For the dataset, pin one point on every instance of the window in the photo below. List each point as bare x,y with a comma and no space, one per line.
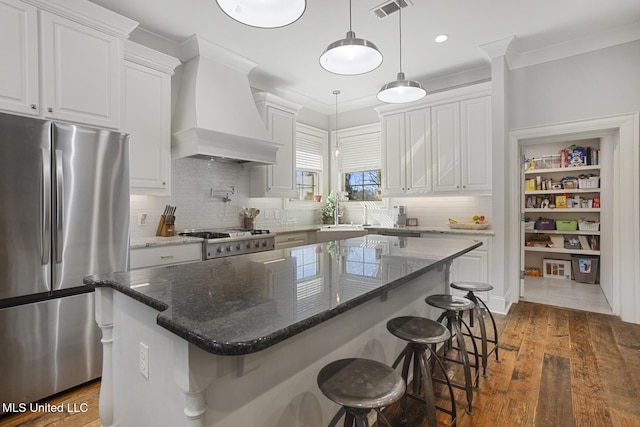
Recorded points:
310,146
360,163
307,184
363,186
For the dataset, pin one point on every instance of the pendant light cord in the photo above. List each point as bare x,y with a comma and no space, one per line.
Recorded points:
336,93
400,32
350,29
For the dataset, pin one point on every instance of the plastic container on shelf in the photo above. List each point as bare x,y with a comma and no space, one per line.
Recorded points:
545,224
566,224
585,268
591,182
588,226
570,183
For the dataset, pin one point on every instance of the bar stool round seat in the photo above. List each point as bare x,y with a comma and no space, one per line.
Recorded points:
359,386
449,302
470,288
453,306
422,335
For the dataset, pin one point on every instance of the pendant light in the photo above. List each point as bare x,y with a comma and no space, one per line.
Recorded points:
337,152
401,90
264,14
351,55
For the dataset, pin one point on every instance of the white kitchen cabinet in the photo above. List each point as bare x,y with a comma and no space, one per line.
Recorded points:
406,145
19,52
65,68
155,256
461,138
278,180
147,118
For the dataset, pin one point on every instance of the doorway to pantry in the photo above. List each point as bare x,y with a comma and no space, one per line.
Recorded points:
617,243
566,197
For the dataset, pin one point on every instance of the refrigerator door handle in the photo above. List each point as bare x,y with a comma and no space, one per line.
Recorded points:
59,206
46,207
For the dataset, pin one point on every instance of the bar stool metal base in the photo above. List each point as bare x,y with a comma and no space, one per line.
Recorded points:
482,309
360,385
422,335
452,306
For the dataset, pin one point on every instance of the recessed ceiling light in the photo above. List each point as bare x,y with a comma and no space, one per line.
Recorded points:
441,38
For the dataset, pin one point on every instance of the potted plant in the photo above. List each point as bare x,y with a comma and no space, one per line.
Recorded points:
327,212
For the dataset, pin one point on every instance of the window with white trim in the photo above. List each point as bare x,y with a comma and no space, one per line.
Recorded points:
360,162
310,161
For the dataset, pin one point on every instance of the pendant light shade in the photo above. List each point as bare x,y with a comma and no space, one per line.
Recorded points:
351,55
401,90
264,14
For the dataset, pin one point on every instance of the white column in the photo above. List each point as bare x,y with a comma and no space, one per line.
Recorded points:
193,372
104,318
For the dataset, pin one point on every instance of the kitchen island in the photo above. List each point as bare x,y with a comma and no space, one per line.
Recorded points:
239,341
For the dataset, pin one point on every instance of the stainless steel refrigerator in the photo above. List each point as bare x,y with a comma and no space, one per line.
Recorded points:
64,214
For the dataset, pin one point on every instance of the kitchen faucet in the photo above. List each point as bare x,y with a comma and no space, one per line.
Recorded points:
337,214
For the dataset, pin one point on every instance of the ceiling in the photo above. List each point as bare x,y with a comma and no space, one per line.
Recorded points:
287,57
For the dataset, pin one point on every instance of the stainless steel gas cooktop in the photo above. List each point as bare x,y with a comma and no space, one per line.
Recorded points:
223,243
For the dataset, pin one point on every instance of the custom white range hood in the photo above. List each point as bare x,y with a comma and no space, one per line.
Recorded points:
215,114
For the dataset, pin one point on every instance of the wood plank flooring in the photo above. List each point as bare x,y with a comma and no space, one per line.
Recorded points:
558,367
86,394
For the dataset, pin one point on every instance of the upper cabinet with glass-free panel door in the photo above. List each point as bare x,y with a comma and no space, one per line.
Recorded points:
63,66
406,143
461,138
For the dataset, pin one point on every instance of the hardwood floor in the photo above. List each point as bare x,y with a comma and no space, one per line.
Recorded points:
558,367
73,416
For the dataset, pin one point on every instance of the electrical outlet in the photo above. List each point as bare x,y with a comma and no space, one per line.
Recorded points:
142,218
144,360
277,214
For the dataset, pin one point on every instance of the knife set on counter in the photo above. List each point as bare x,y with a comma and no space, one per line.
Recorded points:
166,227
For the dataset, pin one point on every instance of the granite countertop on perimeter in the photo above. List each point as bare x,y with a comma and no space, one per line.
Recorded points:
430,229
246,303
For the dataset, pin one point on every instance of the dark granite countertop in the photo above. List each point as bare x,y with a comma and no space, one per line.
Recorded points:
246,303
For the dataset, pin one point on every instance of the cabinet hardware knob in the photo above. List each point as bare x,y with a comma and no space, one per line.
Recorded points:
49,109
464,186
164,183
33,106
457,186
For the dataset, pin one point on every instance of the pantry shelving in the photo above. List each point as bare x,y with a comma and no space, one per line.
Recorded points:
559,195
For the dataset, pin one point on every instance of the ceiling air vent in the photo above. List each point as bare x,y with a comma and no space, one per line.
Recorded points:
389,7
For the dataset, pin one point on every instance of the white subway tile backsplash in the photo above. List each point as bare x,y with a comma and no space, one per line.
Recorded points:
194,179
198,189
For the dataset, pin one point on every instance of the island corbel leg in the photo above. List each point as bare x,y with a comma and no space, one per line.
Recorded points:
193,372
104,318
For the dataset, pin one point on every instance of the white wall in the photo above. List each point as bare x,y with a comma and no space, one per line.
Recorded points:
595,84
